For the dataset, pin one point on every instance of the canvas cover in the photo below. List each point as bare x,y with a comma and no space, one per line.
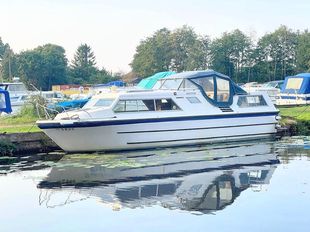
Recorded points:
299,84
5,103
149,82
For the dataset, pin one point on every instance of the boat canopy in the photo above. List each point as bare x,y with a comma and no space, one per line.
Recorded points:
299,84
217,88
5,103
118,83
149,82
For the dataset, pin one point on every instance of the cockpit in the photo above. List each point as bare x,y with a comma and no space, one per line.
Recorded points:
215,87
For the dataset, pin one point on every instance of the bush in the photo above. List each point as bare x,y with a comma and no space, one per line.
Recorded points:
6,148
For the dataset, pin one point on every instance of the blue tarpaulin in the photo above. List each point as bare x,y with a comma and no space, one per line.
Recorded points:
299,84
5,102
112,83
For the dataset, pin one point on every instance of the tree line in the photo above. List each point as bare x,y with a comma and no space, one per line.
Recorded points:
47,65
274,56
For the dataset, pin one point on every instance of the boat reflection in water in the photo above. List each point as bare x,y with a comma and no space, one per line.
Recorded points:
197,179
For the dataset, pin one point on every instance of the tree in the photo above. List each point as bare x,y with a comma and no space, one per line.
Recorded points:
277,51
3,48
231,54
83,65
178,50
43,66
153,54
303,52
102,76
9,65
4,55
189,52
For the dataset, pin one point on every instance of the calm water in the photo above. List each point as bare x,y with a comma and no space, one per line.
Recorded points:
254,186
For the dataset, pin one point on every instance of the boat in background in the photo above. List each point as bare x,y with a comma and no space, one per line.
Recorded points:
187,108
19,94
295,91
272,88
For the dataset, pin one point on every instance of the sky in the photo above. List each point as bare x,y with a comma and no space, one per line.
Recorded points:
114,28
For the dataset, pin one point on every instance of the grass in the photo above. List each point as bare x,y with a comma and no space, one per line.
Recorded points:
22,122
300,113
297,119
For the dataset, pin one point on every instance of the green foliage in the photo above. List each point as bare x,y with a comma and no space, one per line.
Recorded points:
303,52
6,148
178,50
297,118
277,52
301,113
83,69
43,66
275,55
83,65
3,48
231,53
9,65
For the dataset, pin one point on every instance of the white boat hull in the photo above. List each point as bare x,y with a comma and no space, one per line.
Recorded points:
293,99
161,134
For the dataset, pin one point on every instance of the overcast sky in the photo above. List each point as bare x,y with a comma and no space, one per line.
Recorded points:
113,28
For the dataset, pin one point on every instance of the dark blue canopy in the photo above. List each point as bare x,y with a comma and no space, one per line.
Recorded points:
5,102
299,84
197,77
236,90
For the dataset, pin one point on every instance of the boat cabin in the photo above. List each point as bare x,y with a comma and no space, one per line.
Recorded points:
295,90
217,88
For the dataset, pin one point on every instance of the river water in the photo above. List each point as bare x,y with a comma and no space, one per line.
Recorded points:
250,186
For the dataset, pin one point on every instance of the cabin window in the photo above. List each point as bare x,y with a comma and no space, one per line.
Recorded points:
120,106
193,100
165,104
294,83
134,105
223,90
157,84
251,101
171,84
146,105
186,84
207,84
95,102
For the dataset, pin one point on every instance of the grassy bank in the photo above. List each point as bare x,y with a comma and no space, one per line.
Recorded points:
298,118
22,122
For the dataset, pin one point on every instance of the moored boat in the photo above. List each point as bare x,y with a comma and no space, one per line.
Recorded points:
295,91
187,108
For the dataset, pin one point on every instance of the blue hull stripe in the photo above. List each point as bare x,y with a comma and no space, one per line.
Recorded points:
294,98
78,124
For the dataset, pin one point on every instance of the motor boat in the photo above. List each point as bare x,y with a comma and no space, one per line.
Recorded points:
188,108
295,90
19,94
272,88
